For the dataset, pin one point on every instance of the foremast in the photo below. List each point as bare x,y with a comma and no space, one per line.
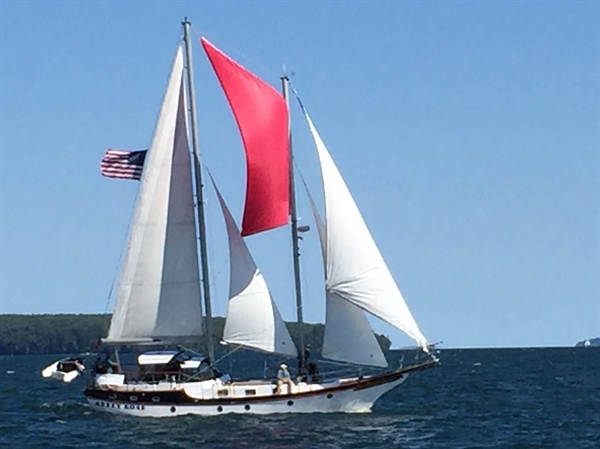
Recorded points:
295,237
199,190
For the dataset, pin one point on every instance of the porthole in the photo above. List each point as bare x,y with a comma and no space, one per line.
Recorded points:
173,409
97,404
112,397
133,398
290,403
246,407
155,398
219,409
329,396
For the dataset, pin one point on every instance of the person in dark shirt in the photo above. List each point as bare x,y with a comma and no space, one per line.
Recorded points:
100,367
313,372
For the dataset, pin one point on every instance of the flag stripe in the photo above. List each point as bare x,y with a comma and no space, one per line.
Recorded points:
123,164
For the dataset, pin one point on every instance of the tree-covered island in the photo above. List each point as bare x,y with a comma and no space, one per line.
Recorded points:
80,333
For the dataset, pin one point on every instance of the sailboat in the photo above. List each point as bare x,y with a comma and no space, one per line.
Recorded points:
158,300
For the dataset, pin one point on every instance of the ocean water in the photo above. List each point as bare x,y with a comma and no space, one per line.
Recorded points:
484,398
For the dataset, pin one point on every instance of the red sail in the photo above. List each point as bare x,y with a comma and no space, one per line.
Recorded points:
262,117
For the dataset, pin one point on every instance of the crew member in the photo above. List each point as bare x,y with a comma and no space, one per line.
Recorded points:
283,377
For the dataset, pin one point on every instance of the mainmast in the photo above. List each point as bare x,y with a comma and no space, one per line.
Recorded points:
199,185
301,362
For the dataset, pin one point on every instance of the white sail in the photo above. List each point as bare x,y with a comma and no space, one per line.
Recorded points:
347,336
159,293
355,269
253,320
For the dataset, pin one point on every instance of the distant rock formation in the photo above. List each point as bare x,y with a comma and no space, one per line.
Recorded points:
589,342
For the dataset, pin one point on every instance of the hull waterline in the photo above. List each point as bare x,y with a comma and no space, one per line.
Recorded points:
349,401
346,395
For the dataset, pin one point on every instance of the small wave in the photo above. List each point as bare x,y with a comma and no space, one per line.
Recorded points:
62,405
53,404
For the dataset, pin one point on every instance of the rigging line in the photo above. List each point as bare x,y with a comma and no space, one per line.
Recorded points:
342,372
311,199
301,176
209,217
346,364
227,354
269,327
215,272
295,92
238,346
112,286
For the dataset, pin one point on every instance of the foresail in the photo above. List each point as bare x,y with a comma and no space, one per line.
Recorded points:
321,228
347,336
158,294
355,269
262,117
253,320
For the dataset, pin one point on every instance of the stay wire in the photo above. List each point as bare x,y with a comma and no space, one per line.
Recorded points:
123,249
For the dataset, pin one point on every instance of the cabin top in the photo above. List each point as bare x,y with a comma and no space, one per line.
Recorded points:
166,357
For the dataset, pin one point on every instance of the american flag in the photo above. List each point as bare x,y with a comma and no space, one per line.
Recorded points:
123,164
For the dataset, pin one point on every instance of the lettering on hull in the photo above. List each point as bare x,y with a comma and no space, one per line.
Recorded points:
105,404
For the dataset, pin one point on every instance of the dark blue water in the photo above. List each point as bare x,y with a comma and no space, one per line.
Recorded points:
493,398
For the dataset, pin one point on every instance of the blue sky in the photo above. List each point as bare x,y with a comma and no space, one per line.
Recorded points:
468,133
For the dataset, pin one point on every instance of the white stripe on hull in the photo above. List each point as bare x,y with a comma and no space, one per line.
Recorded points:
348,401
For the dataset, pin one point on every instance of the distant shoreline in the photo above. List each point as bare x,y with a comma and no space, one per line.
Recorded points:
80,333
69,333
589,342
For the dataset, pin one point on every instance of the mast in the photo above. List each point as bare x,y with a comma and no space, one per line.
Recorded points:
296,250
199,185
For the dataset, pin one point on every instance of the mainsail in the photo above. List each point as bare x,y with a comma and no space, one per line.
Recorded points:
158,294
355,269
253,320
262,117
